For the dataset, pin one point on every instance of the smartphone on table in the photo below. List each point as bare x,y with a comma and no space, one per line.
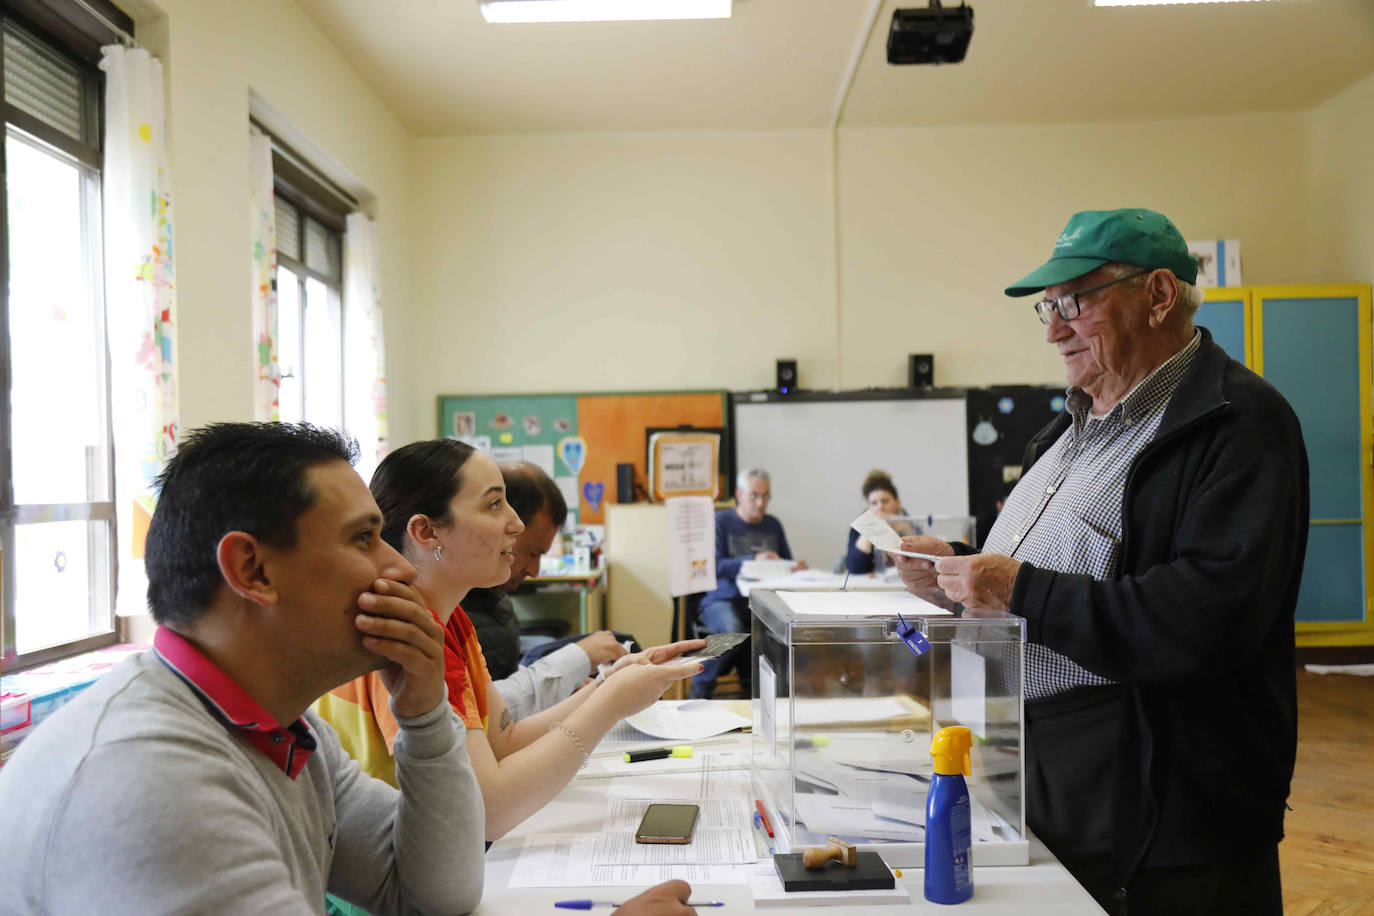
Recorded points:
668,824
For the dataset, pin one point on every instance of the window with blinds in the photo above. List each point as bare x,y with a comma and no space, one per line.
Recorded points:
57,512
45,86
309,311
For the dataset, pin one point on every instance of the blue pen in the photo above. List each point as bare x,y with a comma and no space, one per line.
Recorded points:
588,904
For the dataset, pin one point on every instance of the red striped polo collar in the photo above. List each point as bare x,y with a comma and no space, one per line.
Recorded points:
289,748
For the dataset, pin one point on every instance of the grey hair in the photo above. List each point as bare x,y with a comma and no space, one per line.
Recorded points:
1189,295
1189,300
742,478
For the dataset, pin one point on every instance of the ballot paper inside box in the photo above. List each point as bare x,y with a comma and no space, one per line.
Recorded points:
843,711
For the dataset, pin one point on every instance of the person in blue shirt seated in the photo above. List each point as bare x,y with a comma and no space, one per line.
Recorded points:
746,532
881,495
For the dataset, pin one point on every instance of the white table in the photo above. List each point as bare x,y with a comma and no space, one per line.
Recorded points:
1042,887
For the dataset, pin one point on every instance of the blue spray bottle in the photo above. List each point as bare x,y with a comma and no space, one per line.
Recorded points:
949,871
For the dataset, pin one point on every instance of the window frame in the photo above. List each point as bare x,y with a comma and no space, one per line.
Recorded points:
73,34
308,210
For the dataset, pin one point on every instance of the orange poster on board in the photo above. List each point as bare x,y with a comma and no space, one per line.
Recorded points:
613,426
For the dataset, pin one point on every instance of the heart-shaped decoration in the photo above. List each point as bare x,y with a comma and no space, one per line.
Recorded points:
573,451
593,494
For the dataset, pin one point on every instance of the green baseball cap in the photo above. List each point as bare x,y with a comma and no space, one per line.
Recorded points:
1096,237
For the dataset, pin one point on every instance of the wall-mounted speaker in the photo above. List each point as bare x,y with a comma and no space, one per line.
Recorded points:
625,483
921,370
787,376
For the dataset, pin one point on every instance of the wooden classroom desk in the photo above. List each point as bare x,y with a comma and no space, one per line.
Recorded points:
1042,888
591,593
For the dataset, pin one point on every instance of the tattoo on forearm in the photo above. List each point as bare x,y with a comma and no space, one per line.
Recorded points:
505,720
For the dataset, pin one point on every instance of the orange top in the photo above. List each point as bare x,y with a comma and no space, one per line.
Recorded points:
360,710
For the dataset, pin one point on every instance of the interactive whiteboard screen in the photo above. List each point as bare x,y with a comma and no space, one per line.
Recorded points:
817,453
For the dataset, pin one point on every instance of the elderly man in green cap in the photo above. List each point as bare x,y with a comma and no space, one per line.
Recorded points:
1154,546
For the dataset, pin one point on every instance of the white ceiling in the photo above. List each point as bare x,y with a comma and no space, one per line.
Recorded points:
782,64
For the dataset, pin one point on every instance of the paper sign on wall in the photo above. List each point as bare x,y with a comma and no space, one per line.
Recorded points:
568,487
691,545
481,443
592,491
1218,262
541,456
684,464
573,451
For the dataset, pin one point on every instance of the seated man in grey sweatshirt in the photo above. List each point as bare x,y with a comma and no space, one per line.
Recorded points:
193,778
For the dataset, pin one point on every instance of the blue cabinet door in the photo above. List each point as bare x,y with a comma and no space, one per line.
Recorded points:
1225,318
1310,351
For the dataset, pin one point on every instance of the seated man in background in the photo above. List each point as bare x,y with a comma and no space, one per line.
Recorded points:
746,532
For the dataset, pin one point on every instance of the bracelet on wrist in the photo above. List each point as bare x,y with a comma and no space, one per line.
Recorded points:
575,740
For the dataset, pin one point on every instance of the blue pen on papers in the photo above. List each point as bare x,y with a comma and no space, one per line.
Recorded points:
583,904
758,827
588,904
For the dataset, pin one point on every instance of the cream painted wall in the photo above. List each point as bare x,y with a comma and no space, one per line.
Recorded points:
564,262
672,260
1342,186
934,222
213,55
637,261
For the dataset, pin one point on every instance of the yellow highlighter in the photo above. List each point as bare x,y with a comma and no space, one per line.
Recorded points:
657,753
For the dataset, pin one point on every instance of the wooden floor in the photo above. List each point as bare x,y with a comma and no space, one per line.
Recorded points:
1328,854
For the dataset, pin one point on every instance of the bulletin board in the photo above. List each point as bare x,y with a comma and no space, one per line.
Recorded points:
577,438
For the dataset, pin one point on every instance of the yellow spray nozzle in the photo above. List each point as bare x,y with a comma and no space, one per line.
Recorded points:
950,748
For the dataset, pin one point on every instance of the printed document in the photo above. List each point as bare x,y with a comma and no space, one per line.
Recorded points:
686,721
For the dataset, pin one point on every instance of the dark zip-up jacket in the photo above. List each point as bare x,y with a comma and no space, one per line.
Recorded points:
1189,761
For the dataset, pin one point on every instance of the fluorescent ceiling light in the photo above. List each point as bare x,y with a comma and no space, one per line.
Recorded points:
601,10
1166,2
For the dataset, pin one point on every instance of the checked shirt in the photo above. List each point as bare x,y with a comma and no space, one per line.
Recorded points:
1065,514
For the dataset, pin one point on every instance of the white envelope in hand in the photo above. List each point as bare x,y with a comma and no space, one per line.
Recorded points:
883,536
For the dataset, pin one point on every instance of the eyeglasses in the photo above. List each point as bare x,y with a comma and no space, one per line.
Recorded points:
1068,306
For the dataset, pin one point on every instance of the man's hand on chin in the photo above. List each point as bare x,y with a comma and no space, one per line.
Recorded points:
397,626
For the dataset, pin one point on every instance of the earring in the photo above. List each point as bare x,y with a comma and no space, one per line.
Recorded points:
438,551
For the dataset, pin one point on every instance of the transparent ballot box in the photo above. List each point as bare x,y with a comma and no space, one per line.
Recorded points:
844,710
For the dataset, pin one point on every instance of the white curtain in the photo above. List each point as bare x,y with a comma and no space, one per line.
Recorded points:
364,345
263,220
140,302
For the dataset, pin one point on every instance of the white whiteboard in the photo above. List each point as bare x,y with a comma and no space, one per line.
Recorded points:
817,454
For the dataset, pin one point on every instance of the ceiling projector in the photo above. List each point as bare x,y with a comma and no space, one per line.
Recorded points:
933,35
